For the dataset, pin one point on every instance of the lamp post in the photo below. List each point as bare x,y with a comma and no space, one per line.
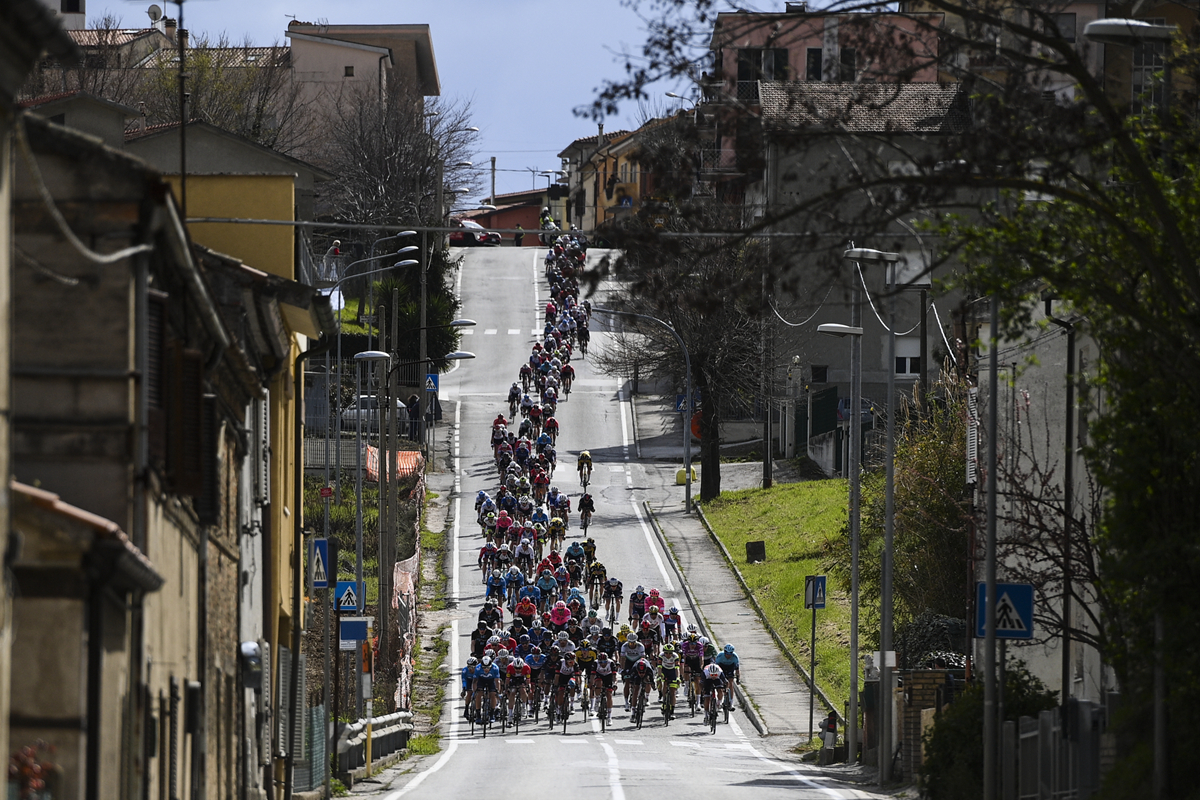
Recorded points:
687,402
855,333
412,248
859,255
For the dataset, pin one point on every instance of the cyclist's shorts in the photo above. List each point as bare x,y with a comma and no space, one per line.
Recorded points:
693,664
562,680
608,681
711,685
670,674
485,684
516,680
535,675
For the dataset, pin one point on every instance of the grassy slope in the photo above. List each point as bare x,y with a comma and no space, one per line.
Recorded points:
794,520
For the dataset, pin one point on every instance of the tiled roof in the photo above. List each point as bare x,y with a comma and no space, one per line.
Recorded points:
227,56
136,132
96,37
42,100
865,107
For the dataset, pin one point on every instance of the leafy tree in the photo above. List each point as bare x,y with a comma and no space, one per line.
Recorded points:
933,515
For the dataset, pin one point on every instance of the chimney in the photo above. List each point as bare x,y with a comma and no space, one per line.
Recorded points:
142,118
169,28
600,136
183,37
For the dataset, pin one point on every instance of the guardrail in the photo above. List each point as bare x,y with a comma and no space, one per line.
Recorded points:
387,735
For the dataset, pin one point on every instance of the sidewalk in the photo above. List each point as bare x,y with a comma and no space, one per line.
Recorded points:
778,694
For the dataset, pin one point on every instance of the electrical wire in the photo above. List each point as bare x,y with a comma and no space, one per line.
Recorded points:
874,310
57,277
59,220
942,330
805,322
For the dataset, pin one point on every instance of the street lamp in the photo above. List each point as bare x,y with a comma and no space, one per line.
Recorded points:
855,333
859,255
684,99
412,248
687,402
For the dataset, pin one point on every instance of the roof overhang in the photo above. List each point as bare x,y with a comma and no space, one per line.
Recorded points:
383,36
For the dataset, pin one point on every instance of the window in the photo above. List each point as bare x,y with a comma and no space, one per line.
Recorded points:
71,7
847,62
812,65
1147,60
820,373
1066,26
759,64
908,356
349,70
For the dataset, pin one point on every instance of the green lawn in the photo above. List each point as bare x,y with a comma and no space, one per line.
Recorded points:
793,520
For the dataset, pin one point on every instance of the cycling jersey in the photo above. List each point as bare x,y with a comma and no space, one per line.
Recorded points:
575,551
613,590
468,673
518,671
631,652
536,661
658,624
531,592
728,662
637,603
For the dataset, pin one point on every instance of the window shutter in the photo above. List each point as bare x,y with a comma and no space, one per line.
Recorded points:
208,504
264,707
972,433
156,376
282,716
185,440
262,453
298,715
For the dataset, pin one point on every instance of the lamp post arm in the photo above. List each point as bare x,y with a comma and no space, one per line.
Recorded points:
687,403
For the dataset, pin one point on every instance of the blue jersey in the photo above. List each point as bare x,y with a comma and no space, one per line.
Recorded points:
728,662
487,673
468,673
540,517
536,661
575,551
495,586
516,579
547,585
532,592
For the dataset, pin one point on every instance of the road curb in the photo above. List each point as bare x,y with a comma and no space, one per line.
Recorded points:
763,616
637,436
742,696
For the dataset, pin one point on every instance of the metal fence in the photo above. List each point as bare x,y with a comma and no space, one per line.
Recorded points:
388,735
309,772
1039,761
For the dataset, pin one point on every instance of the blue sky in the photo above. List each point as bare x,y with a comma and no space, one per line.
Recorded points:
524,65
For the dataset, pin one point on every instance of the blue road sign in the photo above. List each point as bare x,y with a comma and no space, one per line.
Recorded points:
320,566
679,398
354,629
431,382
814,591
349,597
1014,610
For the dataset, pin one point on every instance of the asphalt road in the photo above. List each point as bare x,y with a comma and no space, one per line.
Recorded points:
502,289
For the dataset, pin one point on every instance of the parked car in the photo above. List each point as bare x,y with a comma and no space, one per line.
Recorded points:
470,233
368,408
843,411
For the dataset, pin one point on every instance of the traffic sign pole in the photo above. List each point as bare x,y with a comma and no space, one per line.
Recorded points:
814,598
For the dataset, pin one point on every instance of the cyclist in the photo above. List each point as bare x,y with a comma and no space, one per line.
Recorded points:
560,615
668,667
487,555
564,680
641,678
637,604
607,643
491,614
710,650
479,638
514,397
693,653
654,618
484,505
672,622
525,554
568,377
532,592
548,587
585,658
514,581
589,550
468,674
584,465
714,684
655,601
631,652
557,530
504,557
496,586
525,374
517,677
587,507
486,675
729,663
604,675
612,598
574,552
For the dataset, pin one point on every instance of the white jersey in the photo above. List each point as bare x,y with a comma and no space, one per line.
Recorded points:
632,652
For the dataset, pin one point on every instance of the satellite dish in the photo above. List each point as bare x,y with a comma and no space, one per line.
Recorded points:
154,12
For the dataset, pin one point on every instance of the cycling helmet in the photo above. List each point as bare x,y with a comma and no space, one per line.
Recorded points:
693,629
603,656
653,592
481,495
537,651
482,624
668,648
642,665
585,453
537,622
514,570
591,614
524,639
495,573
631,638
553,490
561,635
503,514
525,542
505,547
693,636
729,649
570,656
502,652
640,588
472,661
712,671
613,581
645,625
545,573
606,631
560,604
673,610
494,640
487,661
514,385
594,630
704,640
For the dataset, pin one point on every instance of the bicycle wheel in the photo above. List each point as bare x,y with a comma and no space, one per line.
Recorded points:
471,716
726,707
691,697
565,712
640,708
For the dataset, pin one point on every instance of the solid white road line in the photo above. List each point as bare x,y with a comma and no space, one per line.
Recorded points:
614,772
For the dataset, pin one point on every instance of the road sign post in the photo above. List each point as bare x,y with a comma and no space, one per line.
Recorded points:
814,598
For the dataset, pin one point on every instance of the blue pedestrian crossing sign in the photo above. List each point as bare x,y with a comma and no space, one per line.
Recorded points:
814,591
349,597
431,382
1014,610
320,564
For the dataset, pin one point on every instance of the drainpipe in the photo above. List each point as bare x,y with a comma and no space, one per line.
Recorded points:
298,552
